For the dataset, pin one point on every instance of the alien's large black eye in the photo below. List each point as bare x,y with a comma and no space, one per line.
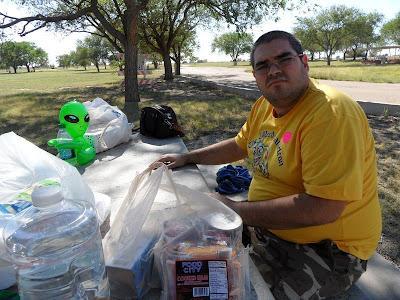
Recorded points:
71,118
87,118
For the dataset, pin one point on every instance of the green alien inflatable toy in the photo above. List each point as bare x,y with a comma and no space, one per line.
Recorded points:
74,118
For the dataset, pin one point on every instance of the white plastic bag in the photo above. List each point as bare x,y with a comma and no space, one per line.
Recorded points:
157,219
108,125
24,165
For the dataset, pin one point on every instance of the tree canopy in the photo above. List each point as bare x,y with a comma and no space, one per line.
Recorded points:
14,54
307,40
233,44
98,49
337,28
391,30
65,60
361,31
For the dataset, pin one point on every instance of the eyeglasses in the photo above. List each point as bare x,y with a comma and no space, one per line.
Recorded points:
265,66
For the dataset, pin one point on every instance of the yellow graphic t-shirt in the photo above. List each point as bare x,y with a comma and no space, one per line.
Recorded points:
323,147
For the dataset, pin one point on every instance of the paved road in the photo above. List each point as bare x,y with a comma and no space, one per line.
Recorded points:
362,91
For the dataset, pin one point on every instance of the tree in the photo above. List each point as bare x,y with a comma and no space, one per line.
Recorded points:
98,49
14,54
329,29
81,57
307,41
40,58
233,44
10,55
361,31
183,46
32,56
64,61
391,30
165,20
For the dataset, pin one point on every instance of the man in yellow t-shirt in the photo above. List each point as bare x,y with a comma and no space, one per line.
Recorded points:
312,205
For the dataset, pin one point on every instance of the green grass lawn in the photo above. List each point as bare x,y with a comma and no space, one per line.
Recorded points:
52,80
355,71
338,70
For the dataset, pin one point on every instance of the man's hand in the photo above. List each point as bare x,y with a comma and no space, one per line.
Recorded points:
173,160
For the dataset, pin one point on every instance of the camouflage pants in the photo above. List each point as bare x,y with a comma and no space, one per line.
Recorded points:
308,271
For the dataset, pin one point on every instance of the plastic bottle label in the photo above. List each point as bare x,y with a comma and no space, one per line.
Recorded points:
64,154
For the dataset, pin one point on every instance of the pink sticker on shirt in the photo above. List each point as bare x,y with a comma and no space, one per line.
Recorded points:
287,136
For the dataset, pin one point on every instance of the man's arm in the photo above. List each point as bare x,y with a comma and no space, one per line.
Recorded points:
219,153
288,212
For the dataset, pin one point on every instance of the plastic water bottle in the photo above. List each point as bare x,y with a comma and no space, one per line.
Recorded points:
56,246
64,154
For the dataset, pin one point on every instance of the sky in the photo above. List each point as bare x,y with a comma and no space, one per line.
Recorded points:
56,44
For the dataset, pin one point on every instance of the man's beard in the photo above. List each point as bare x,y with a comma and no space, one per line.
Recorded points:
284,96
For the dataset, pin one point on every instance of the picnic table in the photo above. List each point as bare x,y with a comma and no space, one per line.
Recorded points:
112,172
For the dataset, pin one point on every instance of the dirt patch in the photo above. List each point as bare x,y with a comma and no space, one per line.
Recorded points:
179,89
386,131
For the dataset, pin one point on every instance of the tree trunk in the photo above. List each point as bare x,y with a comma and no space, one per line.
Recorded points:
235,62
344,56
167,67
312,56
97,67
178,62
28,68
354,54
178,66
155,64
15,69
132,98
328,58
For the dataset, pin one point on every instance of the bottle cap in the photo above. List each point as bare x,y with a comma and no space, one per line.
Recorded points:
43,196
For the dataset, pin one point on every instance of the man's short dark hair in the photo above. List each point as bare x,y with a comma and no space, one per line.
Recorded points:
276,35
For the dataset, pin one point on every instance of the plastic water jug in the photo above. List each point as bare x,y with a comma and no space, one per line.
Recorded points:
56,246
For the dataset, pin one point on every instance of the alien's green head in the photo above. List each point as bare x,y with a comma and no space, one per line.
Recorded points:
74,117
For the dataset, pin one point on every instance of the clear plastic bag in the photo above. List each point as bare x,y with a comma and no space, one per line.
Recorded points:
161,226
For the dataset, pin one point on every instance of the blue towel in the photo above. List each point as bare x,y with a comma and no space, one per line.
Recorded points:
232,180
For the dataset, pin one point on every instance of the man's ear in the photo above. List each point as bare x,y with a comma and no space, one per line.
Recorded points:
304,60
